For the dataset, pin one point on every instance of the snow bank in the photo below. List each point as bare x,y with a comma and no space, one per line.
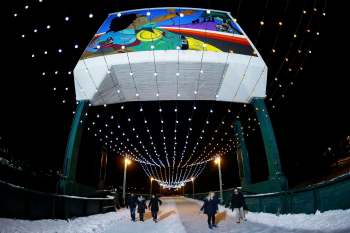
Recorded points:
328,221
91,224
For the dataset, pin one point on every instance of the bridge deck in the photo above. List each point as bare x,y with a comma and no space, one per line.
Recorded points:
181,215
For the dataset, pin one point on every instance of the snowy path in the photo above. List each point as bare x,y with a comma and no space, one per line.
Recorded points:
182,215
168,216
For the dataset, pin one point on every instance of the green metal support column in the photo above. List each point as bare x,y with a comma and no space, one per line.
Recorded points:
276,180
242,156
68,182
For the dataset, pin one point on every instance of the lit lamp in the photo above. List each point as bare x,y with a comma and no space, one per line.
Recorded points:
192,179
218,162
150,192
126,163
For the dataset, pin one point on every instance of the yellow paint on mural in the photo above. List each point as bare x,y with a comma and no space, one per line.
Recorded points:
149,36
195,44
171,14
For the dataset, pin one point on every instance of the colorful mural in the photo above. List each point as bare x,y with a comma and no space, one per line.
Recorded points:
168,29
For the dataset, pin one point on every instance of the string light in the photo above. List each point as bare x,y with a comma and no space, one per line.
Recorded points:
206,122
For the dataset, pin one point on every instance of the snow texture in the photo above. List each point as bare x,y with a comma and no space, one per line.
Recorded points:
182,215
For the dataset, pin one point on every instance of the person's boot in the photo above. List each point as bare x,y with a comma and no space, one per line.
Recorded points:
210,227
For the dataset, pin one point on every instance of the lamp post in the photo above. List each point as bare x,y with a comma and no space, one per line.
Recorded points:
192,179
150,191
126,163
218,162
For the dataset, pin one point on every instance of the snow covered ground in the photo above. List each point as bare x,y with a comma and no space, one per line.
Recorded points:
182,215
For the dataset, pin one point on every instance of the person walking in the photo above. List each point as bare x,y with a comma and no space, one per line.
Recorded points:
210,207
154,204
132,203
238,205
141,207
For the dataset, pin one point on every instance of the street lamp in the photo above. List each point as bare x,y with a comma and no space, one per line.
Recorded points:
126,163
150,192
192,179
218,162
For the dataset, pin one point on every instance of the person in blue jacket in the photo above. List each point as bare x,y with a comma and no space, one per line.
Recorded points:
131,204
154,204
210,207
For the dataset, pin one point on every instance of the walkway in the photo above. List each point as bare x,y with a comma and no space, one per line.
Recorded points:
181,215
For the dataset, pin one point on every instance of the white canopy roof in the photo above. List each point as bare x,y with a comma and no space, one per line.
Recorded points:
199,62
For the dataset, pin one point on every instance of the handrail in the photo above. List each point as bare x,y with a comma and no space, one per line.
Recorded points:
54,194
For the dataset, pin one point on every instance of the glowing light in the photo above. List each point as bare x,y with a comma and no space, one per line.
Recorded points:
127,161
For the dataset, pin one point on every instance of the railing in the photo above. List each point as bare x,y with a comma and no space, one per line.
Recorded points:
19,202
329,195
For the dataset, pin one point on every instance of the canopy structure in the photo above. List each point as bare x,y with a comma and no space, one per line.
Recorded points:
163,54
170,54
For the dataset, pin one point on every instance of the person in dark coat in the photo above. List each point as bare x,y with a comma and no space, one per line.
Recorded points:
141,207
238,205
132,203
210,207
154,204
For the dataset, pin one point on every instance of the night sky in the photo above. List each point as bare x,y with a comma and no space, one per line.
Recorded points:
309,107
